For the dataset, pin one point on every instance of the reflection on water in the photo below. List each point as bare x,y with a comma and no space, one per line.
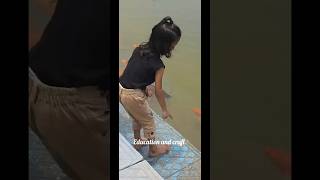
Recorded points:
182,75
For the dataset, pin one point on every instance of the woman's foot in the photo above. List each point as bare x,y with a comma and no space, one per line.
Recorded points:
157,150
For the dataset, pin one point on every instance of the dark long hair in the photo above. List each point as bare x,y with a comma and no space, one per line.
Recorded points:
163,35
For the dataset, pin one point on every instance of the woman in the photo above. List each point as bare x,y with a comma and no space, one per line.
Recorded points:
144,68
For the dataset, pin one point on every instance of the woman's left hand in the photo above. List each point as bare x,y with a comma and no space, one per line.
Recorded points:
166,115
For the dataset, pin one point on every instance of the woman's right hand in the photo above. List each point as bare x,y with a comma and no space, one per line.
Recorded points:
166,115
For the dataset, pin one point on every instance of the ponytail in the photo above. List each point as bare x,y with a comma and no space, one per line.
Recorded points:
167,20
162,36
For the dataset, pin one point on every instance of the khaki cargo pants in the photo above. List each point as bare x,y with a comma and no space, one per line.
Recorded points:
74,125
135,103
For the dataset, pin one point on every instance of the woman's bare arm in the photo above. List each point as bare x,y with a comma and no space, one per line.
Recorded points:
160,94
158,89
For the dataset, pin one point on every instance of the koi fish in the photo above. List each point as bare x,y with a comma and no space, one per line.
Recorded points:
124,62
281,159
34,37
135,45
48,6
197,111
121,72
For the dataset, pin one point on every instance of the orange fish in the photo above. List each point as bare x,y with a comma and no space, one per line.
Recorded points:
34,33
281,159
34,37
48,6
120,72
135,45
124,62
197,111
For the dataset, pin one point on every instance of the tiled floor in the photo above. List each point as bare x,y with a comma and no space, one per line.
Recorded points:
41,164
178,161
132,165
141,171
127,154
